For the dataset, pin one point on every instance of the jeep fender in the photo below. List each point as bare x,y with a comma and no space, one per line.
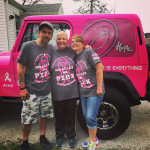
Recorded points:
124,85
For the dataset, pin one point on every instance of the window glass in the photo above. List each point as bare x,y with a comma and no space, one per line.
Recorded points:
18,24
35,32
110,37
27,34
57,28
31,32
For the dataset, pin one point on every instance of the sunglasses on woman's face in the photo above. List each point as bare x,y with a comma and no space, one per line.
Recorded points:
77,41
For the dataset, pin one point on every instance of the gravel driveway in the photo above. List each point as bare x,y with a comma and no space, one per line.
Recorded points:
136,137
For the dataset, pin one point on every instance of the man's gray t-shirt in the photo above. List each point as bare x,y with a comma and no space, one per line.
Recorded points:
37,61
86,72
63,78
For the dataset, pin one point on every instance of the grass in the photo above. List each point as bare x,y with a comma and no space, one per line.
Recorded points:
8,145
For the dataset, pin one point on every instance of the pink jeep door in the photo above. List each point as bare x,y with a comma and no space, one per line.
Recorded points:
28,33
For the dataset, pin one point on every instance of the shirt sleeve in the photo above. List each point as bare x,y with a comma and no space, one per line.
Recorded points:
23,55
92,57
52,49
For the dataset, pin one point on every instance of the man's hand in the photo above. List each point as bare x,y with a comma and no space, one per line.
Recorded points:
24,94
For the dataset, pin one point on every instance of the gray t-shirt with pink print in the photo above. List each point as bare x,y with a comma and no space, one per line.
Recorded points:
63,78
37,61
86,72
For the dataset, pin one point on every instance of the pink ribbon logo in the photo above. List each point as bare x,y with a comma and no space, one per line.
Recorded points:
85,83
42,64
65,67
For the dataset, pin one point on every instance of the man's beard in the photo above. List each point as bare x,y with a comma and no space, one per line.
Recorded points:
45,41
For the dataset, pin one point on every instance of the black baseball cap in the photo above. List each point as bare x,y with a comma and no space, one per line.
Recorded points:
45,24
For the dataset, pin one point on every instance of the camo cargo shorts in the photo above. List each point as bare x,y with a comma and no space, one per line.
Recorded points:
36,106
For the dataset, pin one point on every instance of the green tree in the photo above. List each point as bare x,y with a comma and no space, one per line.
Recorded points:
92,7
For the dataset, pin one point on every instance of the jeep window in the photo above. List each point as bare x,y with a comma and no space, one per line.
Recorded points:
112,37
32,29
139,35
18,24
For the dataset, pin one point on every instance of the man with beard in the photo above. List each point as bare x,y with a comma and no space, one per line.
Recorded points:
35,86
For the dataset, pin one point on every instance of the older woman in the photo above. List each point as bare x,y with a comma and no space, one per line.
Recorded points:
89,71
64,91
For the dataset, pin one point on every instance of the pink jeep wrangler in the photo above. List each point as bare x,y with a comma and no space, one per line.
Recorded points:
119,41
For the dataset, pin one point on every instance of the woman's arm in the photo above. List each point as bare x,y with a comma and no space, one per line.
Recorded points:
99,78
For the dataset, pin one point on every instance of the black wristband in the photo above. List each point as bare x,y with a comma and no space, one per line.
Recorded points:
23,88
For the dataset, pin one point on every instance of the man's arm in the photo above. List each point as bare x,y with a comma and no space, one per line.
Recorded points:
24,94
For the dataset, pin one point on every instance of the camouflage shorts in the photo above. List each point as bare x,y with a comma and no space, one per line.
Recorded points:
36,106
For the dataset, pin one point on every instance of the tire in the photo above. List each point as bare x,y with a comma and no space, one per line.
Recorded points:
114,115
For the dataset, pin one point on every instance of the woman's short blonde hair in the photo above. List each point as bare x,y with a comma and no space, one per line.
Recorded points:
78,37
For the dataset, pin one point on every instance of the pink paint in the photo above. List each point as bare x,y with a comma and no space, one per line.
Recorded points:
113,36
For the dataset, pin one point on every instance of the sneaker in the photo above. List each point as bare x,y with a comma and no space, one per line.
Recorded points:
60,142
85,143
24,146
96,141
72,143
91,146
45,144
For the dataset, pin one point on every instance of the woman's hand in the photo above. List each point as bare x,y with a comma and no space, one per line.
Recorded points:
99,92
88,46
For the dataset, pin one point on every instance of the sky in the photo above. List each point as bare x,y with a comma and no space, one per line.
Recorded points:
139,7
